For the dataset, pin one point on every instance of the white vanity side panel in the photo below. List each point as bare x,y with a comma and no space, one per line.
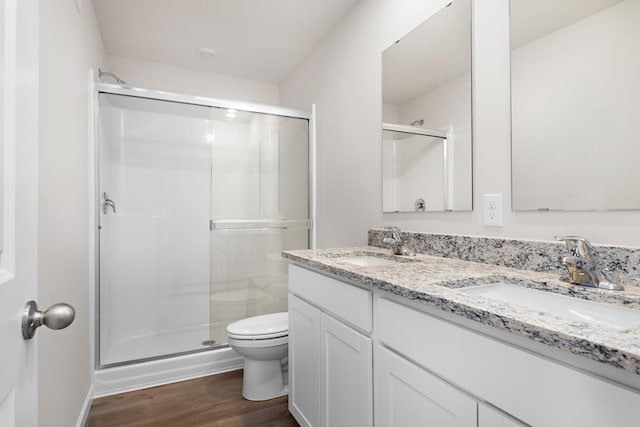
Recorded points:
532,389
348,302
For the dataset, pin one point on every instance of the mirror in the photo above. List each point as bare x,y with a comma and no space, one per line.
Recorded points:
575,79
426,114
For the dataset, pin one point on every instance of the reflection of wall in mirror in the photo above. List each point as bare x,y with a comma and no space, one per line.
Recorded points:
446,107
388,185
576,98
412,170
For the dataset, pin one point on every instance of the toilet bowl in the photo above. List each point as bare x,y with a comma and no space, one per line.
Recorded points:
263,341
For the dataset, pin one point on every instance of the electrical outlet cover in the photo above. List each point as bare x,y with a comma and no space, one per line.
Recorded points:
493,210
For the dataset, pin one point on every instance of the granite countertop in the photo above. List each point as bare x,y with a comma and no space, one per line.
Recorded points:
439,282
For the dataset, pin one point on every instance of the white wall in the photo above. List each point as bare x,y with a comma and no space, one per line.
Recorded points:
152,75
343,77
70,44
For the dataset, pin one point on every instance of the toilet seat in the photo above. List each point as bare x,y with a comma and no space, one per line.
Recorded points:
236,343
263,327
257,337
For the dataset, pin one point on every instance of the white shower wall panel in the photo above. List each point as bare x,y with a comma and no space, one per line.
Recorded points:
244,168
155,249
419,172
448,107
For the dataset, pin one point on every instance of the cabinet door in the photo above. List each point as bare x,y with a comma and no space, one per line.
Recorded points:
407,395
347,390
488,416
304,362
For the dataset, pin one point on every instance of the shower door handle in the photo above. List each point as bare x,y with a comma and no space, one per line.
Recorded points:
259,224
107,203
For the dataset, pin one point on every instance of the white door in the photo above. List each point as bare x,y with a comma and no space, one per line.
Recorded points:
18,207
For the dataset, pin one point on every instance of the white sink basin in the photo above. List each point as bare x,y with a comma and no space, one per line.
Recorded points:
366,261
569,308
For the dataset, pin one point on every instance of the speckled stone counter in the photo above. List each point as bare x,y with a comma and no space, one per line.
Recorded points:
439,282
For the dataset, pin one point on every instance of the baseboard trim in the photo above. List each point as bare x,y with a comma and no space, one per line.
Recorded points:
86,407
150,374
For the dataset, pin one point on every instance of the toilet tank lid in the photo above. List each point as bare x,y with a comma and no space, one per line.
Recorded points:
261,325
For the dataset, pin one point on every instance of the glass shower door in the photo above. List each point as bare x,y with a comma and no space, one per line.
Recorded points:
196,205
154,222
259,207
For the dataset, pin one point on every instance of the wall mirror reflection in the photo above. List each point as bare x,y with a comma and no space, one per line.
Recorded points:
575,73
426,114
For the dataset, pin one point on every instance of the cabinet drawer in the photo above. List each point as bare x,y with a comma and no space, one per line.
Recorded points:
345,301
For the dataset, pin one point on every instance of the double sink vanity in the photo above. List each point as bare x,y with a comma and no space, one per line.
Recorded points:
386,340
476,331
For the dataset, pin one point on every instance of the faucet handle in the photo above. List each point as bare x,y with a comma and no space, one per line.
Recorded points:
395,232
579,246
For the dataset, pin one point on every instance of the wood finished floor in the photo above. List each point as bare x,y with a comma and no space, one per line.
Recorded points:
209,401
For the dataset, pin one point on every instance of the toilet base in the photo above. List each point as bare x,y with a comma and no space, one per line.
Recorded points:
263,380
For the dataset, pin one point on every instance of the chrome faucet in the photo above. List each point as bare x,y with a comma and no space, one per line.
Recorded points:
582,265
397,242
107,203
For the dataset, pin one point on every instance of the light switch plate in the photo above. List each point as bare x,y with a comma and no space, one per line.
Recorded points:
493,210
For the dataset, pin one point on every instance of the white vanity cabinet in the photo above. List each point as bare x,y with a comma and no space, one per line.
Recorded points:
431,368
330,352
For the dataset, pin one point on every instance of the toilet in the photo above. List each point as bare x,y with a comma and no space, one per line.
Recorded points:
263,341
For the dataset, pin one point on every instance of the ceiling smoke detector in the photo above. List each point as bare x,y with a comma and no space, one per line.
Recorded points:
207,52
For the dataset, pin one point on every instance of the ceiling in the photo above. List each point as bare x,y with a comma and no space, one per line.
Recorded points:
260,40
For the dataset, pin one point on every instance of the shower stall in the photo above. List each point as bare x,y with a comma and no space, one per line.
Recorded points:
418,168
196,200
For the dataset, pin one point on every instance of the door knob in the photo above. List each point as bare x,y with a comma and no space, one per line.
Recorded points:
58,316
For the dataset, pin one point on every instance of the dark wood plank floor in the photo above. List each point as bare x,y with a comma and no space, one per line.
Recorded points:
209,401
